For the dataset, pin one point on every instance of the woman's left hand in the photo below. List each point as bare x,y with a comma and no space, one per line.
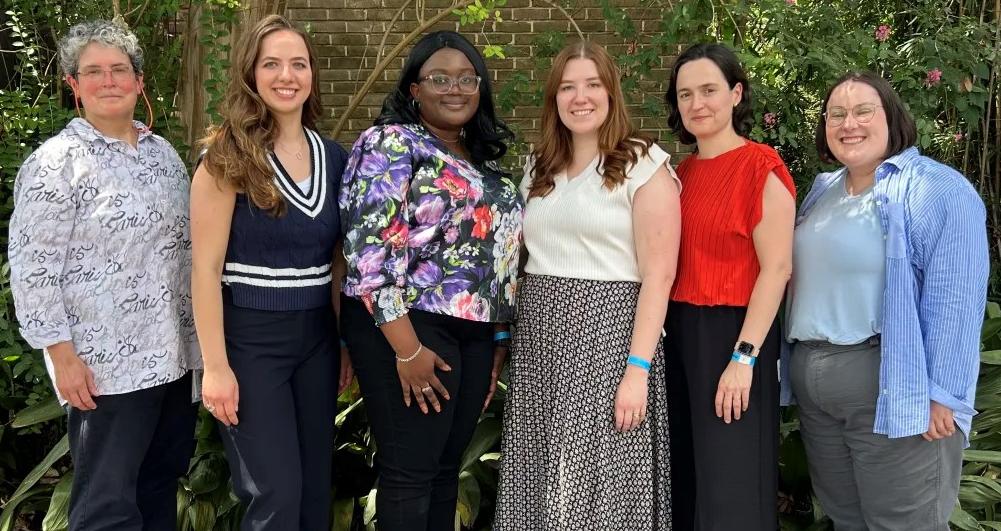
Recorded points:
500,353
941,423
347,371
631,398
734,391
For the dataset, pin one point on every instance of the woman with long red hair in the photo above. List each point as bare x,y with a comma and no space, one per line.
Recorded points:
585,427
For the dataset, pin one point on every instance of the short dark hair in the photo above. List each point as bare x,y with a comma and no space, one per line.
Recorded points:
729,64
485,134
902,133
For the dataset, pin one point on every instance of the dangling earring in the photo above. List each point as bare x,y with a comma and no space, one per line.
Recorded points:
416,105
76,103
149,110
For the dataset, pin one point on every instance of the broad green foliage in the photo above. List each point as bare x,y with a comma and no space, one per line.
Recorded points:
942,56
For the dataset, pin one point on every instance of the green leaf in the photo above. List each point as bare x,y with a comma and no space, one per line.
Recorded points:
977,491
369,513
58,451
991,357
962,520
202,515
10,508
344,509
486,436
57,517
469,499
38,413
990,329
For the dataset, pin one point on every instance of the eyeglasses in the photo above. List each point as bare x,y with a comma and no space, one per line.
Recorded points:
862,113
119,74
442,84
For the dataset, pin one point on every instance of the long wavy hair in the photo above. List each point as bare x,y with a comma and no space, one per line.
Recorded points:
237,150
485,135
618,139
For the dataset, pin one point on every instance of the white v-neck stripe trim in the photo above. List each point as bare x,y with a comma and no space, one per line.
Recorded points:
310,203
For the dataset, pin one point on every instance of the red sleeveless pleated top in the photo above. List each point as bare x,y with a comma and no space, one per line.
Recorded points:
720,207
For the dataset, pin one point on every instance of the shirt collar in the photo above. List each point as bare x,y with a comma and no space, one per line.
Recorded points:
897,162
88,132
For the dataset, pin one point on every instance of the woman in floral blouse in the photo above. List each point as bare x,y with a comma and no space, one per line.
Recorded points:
432,230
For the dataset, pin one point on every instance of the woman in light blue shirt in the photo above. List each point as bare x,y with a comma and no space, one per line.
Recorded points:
885,305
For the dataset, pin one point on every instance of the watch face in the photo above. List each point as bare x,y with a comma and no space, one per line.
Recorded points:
745,348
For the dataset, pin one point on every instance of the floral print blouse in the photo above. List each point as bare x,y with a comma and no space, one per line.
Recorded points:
427,229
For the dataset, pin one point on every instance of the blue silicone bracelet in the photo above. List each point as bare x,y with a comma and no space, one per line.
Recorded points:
637,361
743,358
502,335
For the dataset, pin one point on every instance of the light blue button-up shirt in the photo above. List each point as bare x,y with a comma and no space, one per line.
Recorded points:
937,264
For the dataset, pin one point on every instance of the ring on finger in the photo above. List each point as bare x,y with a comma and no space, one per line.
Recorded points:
210,408
426,389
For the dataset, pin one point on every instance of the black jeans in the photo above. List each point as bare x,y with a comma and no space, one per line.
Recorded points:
419,455
281,452
127,456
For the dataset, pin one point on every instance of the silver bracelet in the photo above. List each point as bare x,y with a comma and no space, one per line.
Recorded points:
420,347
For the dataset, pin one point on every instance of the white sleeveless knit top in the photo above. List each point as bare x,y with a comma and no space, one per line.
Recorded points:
581,229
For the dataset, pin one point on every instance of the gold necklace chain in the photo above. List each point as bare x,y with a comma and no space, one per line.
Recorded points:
297,154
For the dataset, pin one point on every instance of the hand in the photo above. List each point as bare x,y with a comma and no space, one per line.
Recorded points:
630,399
499,354
221,394
940,423
734,391
417,376
74,379
347,371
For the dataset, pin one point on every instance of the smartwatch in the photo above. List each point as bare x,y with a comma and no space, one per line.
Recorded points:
746,349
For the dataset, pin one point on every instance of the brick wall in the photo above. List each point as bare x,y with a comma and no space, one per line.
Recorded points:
347,35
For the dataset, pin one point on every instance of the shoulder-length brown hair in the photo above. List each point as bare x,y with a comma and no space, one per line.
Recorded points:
237,150
618,139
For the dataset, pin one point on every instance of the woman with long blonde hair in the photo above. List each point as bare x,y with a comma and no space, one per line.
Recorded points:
265,224
585,427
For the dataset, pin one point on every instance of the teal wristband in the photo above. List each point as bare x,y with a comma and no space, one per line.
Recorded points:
637,361
498,336
743,358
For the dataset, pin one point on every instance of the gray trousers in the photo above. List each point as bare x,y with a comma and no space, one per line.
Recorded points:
866,481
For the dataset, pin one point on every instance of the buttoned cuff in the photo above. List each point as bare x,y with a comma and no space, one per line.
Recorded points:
940,395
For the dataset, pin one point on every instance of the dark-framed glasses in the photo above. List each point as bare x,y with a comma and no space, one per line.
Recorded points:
862,113
119,73
442,83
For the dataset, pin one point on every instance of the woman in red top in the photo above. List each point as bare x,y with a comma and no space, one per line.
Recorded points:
737,210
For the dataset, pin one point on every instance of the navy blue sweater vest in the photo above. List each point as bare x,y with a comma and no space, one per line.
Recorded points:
283,263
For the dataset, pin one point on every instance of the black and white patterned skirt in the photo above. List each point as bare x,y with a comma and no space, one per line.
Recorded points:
563,466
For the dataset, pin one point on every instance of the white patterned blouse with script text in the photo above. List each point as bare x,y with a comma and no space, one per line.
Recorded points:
100,255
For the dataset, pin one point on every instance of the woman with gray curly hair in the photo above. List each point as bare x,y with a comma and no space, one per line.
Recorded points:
100,266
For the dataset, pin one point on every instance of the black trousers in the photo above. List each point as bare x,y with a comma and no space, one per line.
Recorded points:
724,477
281,452
419,455
127,455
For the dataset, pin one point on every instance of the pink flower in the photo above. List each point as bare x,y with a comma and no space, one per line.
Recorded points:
934,77
958,137
771,119
883,33
395,234
791,2
457,187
